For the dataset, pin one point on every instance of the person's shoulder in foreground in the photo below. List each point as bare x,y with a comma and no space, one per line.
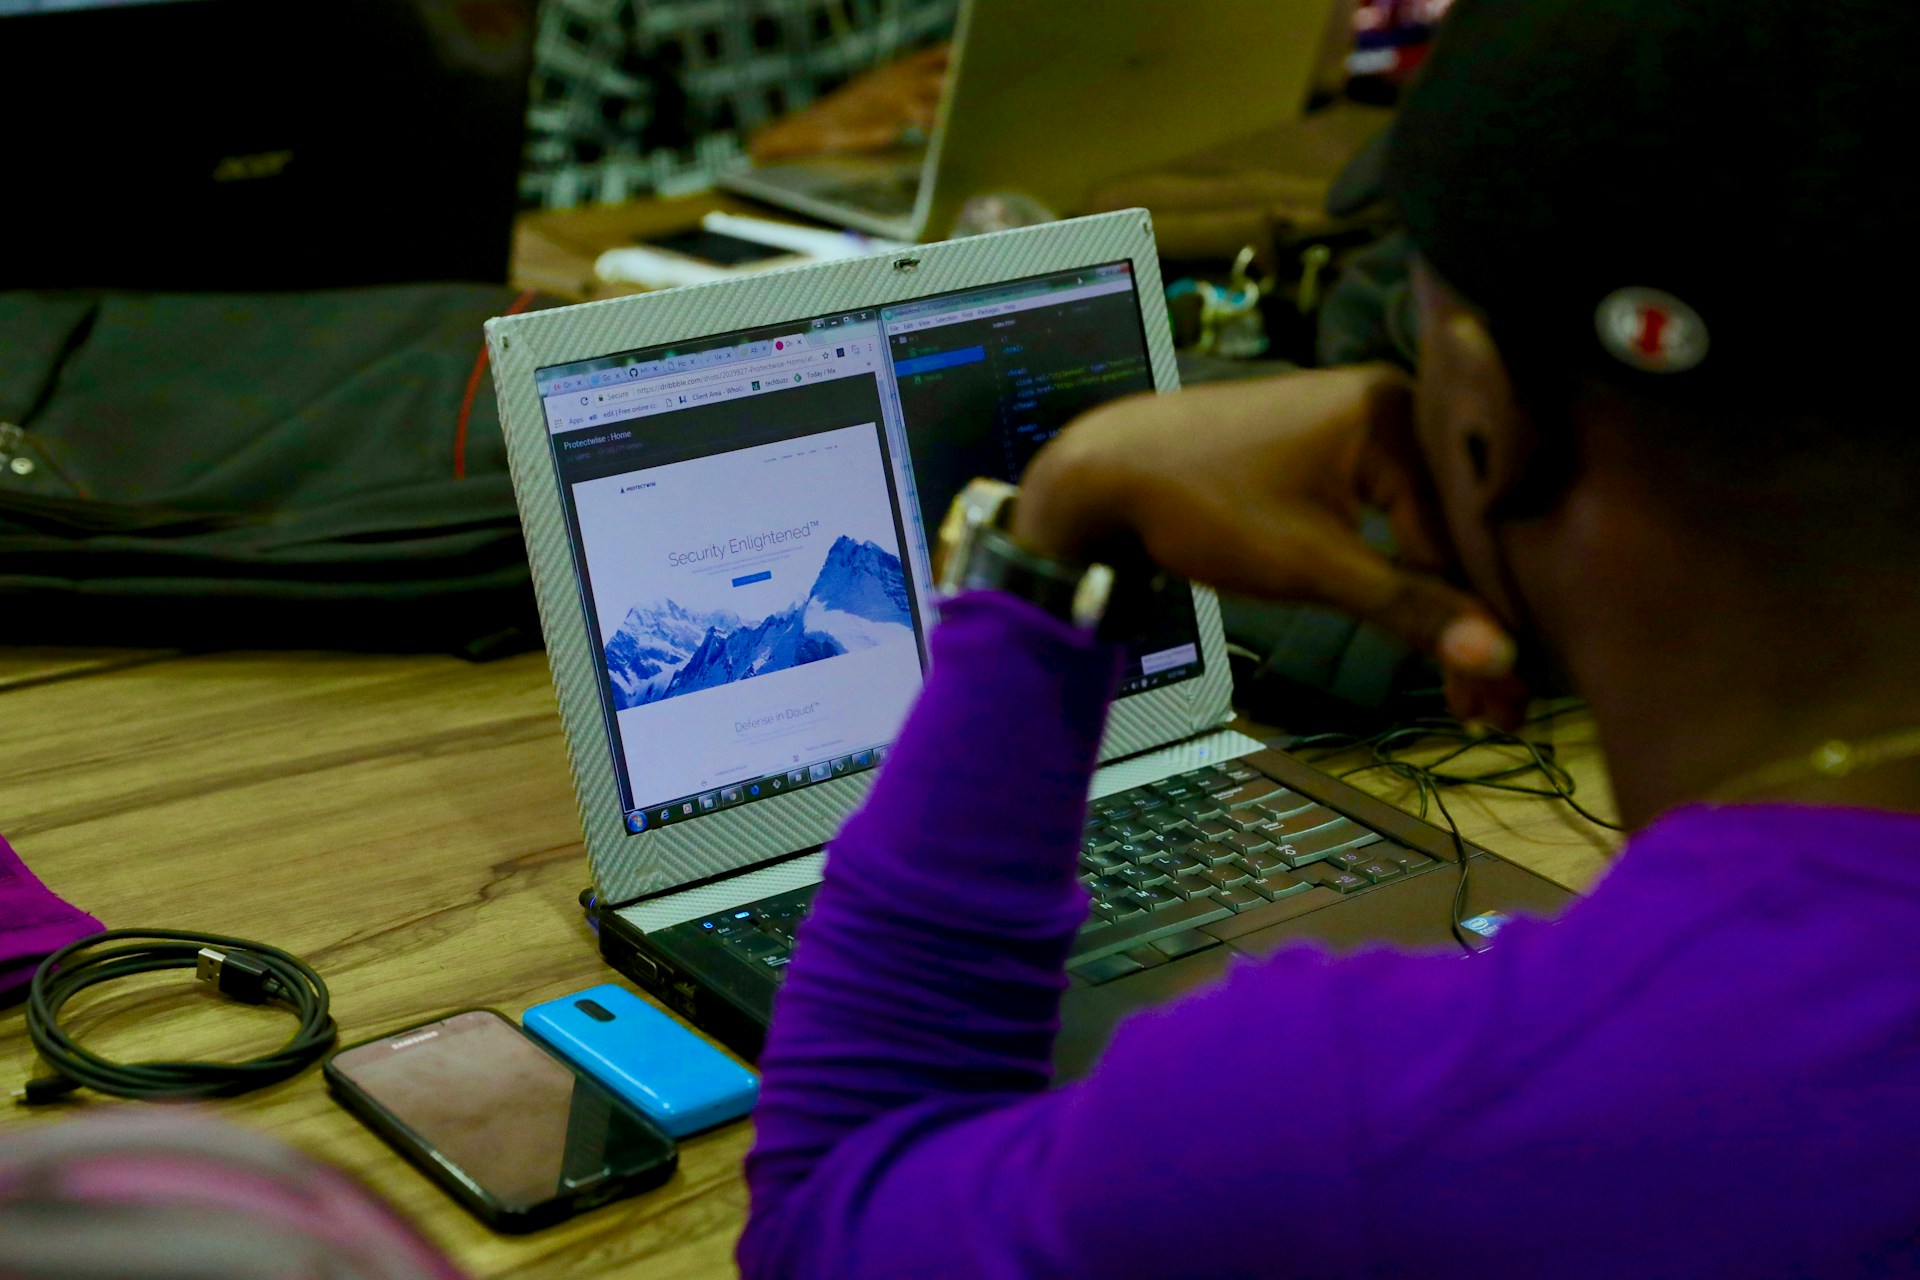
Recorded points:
1618,466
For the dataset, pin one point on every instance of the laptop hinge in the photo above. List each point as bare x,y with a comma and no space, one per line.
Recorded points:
1164,762
670,909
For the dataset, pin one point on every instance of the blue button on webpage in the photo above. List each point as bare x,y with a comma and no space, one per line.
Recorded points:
752,578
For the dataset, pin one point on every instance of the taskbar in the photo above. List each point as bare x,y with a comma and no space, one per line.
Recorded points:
687,808
1140,684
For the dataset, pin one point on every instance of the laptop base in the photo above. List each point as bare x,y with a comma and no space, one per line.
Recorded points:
876,194
722,989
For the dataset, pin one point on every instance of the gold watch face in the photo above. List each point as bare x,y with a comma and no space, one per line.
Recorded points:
978,503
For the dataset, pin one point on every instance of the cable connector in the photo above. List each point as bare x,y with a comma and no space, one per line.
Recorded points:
234,974
44,1089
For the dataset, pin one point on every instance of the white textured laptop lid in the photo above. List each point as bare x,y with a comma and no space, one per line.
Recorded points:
631,866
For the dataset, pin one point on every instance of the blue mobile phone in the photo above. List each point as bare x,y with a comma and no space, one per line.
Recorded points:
682,1083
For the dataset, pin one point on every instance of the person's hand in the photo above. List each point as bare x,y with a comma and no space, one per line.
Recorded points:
868,113
1257,488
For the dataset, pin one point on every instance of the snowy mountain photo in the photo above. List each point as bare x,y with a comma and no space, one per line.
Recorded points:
662,649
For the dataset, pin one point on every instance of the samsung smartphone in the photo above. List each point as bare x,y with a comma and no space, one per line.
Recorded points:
510,1130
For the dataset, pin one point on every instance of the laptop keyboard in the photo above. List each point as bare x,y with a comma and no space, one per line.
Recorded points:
1161,861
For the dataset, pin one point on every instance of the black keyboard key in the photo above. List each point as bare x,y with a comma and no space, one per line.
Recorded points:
1167,821
1157,898
1239,772
1204,777
1310,818
1343,881
1204,809
1213,829
1236,794
1124,831
1225,877
1350,859
1108,889
1137,878
1245,842
1185,943
1107,968
1096,841
1411,861
1282,804
1105,862
1240,899
757,944
1147,803
1190,886
1170,864
1106,913
1318,843
1264,862
1108,809
1279,884
1208,854
1379,872
1175,790
1147,928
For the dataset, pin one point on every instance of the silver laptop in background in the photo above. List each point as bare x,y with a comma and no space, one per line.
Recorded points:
1048,100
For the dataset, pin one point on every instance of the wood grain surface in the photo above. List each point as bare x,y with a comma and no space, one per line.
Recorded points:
406,824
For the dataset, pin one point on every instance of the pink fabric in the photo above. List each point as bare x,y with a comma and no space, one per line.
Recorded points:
190,1196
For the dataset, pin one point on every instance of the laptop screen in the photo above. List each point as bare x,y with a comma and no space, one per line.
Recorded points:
750,517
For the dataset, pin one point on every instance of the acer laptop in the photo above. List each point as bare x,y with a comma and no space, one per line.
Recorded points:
730,493
1048,100
236,145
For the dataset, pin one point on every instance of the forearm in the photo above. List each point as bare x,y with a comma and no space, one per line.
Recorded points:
931,968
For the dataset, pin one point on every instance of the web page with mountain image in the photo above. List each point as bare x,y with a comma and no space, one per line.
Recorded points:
756,626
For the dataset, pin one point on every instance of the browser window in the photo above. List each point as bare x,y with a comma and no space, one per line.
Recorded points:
738,534
750,518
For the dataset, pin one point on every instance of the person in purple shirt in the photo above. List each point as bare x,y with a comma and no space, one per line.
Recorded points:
1653,451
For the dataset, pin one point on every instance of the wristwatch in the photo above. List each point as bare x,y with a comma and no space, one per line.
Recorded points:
977,553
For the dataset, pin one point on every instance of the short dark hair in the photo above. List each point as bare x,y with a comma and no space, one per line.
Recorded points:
1738,155
1743,157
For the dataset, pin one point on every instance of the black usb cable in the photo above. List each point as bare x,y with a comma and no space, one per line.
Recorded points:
252,972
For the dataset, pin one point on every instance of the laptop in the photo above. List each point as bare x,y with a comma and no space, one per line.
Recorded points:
730,494
228,145
1049,100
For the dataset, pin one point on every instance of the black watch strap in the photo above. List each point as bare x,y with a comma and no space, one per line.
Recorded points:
981,555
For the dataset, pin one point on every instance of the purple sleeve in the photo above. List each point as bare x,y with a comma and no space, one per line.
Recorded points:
907,1071
1725,1036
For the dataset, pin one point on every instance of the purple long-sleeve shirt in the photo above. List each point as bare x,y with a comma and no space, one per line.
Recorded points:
1709,1068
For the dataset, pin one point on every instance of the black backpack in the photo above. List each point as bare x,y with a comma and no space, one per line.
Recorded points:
320,470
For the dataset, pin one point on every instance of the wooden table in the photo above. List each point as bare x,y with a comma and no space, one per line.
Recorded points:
406,824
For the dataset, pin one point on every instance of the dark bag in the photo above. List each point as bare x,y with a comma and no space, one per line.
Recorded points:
320,470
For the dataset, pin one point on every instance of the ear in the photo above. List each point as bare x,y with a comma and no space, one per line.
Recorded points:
1479,443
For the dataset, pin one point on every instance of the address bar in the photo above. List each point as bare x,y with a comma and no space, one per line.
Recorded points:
728,373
